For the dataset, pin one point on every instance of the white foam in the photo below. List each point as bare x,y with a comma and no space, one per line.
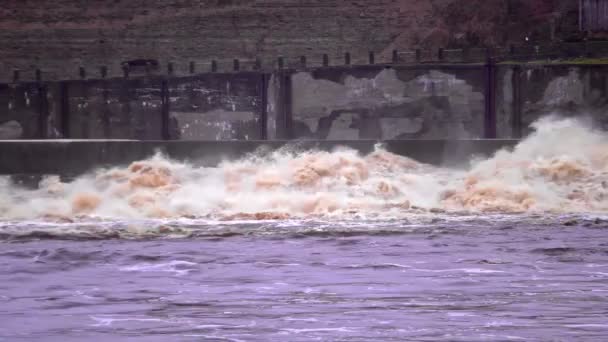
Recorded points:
561,168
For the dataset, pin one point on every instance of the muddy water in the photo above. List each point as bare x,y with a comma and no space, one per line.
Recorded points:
308,245
561,168
456,278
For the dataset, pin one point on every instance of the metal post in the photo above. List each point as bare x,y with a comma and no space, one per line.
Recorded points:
213,66
418,55
325,60
280,62
372,58
105,118
38,75
287,105
103,71
257,65
170,69
440,54
490,100
516,119
82,73
395,56
466,55
580,15
65,110
164,113
192,68
303,62
347,58
43,111
16,76
125,71
264,82
236,65
488,54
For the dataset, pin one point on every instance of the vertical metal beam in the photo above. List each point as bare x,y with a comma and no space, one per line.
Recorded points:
284,122
466,55
105,115
516,109
43,111
263,93
347,58
170,69
288,107
164,112
372,57
490,100
580,15
65,110
325,60
84,116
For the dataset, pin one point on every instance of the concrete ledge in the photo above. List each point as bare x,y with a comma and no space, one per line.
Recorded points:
71,157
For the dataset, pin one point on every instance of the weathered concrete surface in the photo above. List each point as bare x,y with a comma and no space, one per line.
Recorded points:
59,36
358,102
562,90
115,109
218,106
19,107
204,107
75,157
388,103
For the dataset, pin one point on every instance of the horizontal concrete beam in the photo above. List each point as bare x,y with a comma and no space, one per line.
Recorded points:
72,157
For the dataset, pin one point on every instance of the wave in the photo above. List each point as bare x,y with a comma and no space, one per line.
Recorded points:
429,225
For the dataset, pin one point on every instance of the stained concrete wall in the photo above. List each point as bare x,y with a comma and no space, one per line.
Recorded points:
388,103
218,106
354,102
204,107
115,109
19,111
532,91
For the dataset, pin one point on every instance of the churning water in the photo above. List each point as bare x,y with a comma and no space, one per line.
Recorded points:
308,245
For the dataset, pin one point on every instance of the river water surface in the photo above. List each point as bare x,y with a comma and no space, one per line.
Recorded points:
458,278
316,245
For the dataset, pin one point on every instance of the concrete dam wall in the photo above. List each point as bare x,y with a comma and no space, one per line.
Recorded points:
383,102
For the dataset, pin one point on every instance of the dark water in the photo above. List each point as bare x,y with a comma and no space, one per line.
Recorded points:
479,279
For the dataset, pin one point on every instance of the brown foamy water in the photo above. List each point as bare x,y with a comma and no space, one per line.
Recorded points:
561,168
316,246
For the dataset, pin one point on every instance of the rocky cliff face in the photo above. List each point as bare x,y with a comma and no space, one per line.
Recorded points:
59,36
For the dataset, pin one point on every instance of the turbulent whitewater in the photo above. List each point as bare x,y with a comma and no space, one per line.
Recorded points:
316,246
561,168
